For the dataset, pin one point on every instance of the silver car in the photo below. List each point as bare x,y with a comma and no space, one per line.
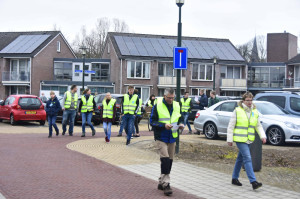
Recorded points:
279,126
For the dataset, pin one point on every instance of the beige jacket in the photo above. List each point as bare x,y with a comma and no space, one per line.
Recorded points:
259,129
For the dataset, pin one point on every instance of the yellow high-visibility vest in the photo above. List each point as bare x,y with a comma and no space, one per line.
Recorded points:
140,107
185,105
108,109
149,103
69,99
164,115
87,106
129,106
245,129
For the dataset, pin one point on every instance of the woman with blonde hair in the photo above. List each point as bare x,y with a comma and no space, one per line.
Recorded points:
241,130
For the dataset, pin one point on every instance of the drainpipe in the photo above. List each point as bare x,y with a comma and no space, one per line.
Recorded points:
121,76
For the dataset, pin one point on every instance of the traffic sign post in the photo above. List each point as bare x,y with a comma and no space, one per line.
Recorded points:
180,58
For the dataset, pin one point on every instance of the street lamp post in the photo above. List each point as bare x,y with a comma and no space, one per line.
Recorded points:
214,82
179,3
83,48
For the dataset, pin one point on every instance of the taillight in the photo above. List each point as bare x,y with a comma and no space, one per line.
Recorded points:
99,107
197,115
16,106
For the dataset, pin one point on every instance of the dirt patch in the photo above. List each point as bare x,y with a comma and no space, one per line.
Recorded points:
280,168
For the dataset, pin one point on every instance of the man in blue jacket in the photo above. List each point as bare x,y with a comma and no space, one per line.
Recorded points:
202,101
52,109
164,120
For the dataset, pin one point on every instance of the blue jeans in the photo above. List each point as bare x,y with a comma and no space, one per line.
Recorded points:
185,116
87,118
121,127
128,122
107,129
244,156
51,122
68,115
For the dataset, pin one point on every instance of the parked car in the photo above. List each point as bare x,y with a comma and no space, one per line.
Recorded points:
22,108
119,98
279,126
289,101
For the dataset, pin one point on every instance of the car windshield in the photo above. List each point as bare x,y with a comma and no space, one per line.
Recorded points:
29,101
295,104
269,109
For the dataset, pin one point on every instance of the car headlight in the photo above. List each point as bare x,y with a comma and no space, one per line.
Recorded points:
291,125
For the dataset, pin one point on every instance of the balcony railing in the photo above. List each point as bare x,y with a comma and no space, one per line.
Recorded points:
162,80
266,84
233,83
16,76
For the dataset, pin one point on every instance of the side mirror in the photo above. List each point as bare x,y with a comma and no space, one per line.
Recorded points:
1,103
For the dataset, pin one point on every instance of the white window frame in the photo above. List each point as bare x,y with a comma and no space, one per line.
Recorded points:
129,61
205,72
233,71
58,46
141,94
165,70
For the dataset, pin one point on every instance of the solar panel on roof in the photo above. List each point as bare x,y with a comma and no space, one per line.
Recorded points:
218,53
225,51
131,46
140,46
122,46
158,48
201,50
25,44
234,53
192,52
165,46
151,51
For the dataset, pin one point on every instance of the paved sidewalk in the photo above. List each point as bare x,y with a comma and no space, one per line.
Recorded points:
202,182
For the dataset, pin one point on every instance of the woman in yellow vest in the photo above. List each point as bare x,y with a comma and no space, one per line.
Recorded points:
87,106
139,115
108,115
151,102
241,129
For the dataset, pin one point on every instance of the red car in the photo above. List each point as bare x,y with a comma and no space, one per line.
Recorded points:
22,108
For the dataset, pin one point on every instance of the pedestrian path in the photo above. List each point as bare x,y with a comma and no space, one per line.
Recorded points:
199,181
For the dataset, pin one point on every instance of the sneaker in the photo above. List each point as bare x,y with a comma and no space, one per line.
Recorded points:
49,136
236,182
119,135
167,190
160,187
83,135
71,134
256,185
106,139
190,132
127,142
57,133
93,132
197,132
64,132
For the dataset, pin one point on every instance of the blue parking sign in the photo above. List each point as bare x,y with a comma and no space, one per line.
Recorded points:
180,58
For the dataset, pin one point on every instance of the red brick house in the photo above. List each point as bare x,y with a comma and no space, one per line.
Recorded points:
26,59
146,62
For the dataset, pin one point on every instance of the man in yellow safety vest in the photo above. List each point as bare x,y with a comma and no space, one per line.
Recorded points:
186,107
69,107
164,119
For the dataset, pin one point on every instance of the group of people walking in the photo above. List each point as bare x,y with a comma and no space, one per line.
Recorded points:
167,118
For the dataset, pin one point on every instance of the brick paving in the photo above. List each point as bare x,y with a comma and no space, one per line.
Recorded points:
35,167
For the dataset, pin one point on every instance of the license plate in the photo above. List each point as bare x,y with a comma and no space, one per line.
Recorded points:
30,112
94,113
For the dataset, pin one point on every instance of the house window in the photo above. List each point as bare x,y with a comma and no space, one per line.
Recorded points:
58,47
98,90
19,90
86,67
101,72
138,69
61,89
230,72
202,72
63,71
144,92
77,67
19,70
108,48
166,70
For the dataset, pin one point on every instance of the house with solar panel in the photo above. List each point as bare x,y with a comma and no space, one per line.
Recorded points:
26,59
146,62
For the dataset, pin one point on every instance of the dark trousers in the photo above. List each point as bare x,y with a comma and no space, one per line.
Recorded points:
51,122
136,123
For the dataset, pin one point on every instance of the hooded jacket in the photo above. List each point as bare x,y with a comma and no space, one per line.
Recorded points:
53,107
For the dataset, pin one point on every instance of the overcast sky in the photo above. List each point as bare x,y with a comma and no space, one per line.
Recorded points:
237,20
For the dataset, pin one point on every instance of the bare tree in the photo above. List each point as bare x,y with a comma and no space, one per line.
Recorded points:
95,40
246,48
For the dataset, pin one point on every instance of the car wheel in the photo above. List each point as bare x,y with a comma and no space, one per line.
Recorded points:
210,131
276,136
12,120
42,123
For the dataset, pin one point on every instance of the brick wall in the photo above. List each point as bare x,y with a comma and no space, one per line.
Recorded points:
42,64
